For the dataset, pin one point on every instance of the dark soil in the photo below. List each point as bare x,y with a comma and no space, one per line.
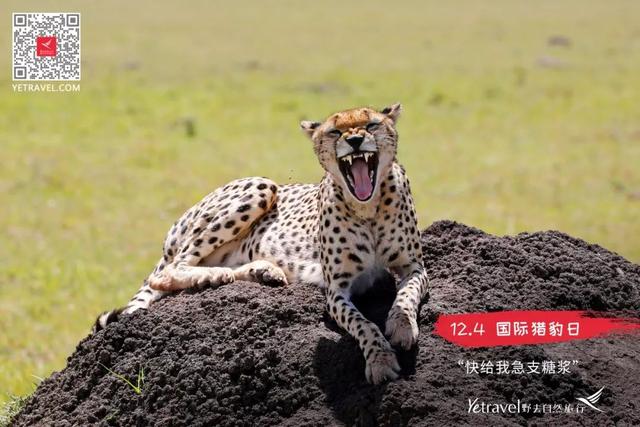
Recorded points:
246,354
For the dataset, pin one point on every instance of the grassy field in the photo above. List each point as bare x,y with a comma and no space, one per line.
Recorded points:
518,116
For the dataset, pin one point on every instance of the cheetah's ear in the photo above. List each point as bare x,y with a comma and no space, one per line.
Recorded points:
393,111
309,127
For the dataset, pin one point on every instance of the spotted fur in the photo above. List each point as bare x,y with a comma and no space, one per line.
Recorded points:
322,234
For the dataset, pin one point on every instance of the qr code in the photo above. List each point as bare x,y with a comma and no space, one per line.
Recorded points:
46,46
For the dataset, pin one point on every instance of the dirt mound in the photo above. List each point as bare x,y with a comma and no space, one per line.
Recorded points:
246,354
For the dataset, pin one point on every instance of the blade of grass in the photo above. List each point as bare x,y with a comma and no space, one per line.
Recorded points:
137,389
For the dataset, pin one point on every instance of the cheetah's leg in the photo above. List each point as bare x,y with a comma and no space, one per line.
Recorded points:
261,271
402,325
381,362
229,218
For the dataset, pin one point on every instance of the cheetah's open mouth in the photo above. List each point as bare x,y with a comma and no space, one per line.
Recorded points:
359,171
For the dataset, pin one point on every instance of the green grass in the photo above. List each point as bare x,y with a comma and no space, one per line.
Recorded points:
10,408
491,136
137,387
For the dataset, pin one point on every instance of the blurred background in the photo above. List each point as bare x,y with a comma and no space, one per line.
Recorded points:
519,116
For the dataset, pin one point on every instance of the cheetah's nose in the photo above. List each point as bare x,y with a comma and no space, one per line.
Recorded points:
354,141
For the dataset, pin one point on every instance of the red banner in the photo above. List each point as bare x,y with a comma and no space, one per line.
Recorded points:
528,327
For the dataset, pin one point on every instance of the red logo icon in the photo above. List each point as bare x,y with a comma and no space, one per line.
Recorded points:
46,46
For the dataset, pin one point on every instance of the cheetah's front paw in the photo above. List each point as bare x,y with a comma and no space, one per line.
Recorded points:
382,365
270,275
402,329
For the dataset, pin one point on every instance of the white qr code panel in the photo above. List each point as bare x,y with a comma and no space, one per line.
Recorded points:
46,46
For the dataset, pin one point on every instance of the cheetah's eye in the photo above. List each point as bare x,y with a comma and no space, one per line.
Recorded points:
334,133
373,126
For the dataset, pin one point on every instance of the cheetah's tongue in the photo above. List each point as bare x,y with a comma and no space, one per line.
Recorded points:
361,181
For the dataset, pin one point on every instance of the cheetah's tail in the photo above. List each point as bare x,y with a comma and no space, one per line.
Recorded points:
140,301
105,318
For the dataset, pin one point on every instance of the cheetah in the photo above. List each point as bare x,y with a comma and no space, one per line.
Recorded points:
338,234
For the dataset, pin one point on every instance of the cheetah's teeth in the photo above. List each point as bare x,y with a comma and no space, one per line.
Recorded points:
367,155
